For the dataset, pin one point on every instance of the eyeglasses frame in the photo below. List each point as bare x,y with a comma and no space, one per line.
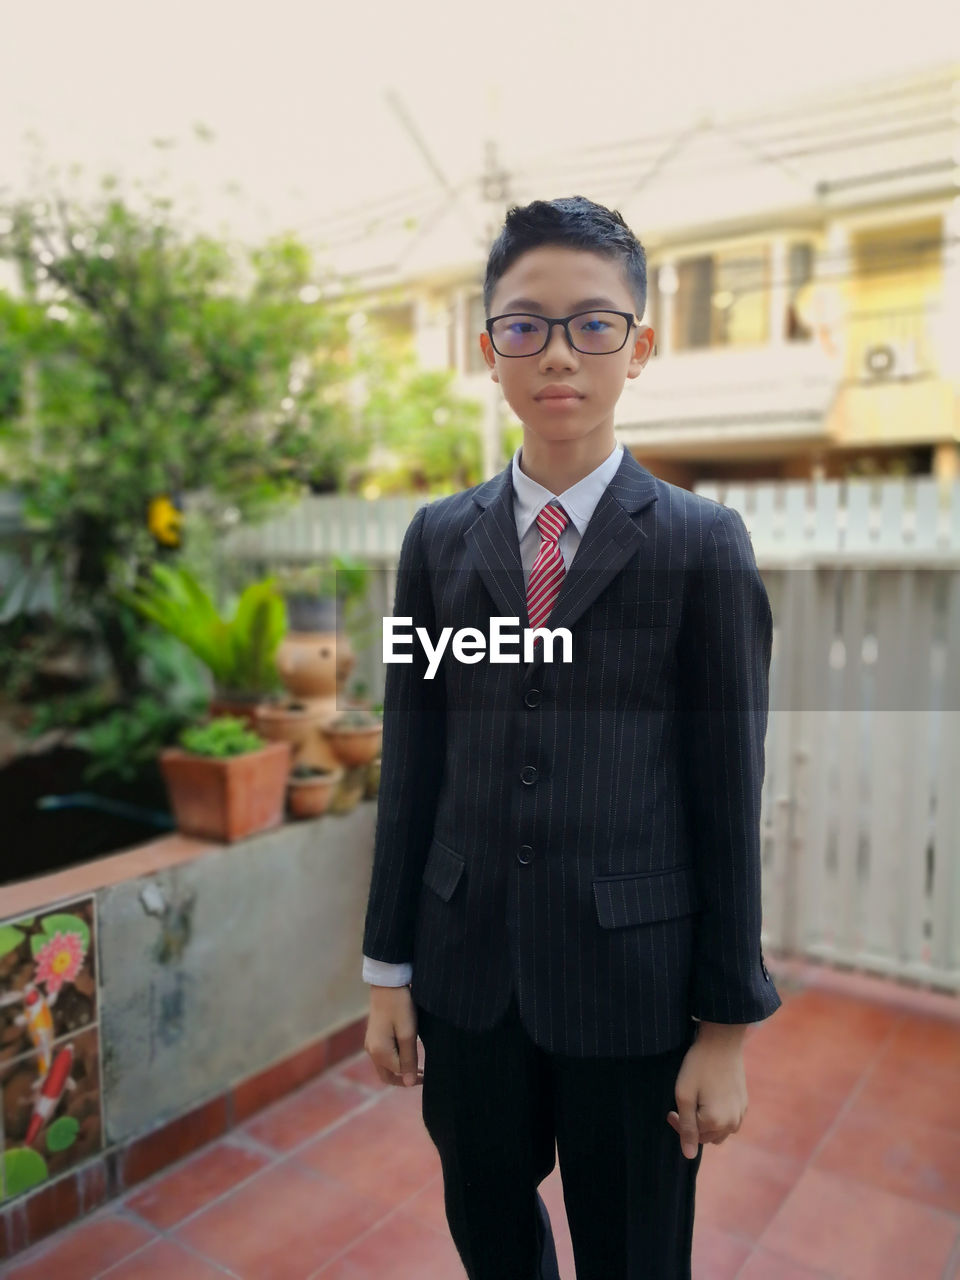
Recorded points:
631,316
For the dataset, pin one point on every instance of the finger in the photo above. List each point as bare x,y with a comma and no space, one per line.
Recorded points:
673,1119
407,1056
401,1079
689,1132
386,1059
394,1077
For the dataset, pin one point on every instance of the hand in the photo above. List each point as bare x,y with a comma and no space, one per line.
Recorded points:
711,1090
391,1039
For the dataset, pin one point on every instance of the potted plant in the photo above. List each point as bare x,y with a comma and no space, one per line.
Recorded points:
240,653
224,781
310,789
313,593
355,735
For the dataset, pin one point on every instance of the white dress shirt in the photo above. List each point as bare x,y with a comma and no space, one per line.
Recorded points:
579,502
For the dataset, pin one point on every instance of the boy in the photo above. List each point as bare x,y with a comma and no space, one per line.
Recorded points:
565,899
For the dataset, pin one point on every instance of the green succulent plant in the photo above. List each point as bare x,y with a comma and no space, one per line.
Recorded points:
223,736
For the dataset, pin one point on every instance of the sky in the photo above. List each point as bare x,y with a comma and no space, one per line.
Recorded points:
296,94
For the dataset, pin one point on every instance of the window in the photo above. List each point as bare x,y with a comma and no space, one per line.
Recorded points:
799,275
722,299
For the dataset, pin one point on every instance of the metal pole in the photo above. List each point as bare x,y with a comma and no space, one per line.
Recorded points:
496,195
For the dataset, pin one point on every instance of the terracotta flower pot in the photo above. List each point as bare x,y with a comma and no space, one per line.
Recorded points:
227,798
292,722
314,664
309,797
355,745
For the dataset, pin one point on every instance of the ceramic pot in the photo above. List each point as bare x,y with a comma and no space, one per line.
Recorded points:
314,664
310,797
308,612
227,798
295,722
355,745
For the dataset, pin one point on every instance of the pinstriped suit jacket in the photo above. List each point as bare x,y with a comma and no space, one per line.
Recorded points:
586,833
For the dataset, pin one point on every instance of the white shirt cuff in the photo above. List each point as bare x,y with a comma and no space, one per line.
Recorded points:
384,974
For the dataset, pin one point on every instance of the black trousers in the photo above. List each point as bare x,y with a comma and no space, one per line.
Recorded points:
499,1109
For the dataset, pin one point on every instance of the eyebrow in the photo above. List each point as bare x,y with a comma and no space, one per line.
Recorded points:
584,302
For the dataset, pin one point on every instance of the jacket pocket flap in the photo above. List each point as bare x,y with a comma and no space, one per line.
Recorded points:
645,898
443,869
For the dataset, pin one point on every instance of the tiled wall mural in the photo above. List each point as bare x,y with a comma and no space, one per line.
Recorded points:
50,1118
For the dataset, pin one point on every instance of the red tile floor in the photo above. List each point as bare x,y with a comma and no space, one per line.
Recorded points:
847,1166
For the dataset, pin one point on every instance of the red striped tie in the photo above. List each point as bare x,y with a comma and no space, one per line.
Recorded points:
546,576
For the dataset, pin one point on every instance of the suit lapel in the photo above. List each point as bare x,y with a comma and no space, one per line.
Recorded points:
611,538
494,549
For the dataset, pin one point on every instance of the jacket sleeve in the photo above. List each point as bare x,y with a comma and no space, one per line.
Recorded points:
724,662
411,768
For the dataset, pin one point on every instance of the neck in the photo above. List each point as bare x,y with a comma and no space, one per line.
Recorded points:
558,464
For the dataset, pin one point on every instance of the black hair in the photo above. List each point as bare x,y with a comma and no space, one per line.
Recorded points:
576,223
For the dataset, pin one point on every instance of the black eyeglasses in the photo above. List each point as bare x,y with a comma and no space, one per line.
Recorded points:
518,333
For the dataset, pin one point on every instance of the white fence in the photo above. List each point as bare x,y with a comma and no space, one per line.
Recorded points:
916,518
322,526
909,520
860,818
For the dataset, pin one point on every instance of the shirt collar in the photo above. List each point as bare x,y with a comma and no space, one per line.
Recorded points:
579,501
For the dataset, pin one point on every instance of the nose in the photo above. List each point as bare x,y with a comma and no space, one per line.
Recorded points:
558,350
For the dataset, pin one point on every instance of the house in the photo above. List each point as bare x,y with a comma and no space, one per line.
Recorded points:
803,282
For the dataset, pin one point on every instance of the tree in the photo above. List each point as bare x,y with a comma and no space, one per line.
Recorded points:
138,361
428,436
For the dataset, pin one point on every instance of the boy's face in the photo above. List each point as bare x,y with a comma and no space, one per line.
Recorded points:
554,281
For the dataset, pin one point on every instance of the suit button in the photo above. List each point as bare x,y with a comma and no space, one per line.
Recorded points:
528,775
525,853
532,697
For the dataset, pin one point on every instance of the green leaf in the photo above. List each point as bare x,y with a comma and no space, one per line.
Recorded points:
23,1168
10,938
62,1133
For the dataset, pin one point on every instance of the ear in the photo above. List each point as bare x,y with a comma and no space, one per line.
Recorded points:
642,351
490,356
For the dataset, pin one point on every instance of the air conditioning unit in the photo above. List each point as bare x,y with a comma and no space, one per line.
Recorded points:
894,359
